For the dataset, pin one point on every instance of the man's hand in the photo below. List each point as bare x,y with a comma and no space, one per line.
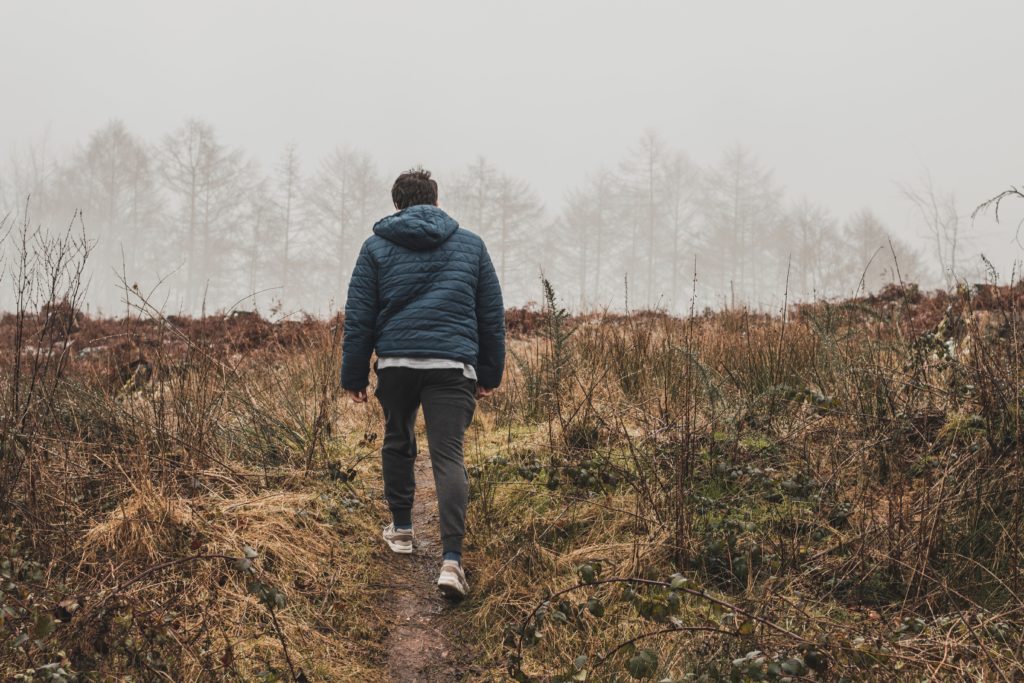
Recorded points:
483,392
358,395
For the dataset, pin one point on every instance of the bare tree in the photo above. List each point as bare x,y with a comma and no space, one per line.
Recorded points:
875,256
345,198
258,215
207,181
939,212
681,185
113,182
504,210
810,235
587,222
741,207
288,180
518,212
642,177
576,223
30,175
469,196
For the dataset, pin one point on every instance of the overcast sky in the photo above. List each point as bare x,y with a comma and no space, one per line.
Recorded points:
843,99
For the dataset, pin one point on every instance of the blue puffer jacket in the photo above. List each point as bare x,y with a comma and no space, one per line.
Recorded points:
423,287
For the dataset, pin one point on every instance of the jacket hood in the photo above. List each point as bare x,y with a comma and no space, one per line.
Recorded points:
418,227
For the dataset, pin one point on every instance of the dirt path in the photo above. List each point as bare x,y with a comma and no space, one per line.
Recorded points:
418,650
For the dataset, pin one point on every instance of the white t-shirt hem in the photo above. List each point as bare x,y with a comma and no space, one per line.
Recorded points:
427,364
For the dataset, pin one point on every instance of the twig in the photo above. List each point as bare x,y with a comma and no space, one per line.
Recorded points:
284,643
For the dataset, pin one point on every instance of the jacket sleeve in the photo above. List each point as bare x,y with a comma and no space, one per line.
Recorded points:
490,319
361,308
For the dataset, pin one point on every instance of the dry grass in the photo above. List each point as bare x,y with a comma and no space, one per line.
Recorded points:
841,489
329,578
852,477
137,497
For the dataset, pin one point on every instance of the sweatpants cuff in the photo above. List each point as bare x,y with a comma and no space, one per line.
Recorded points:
451,544
401,517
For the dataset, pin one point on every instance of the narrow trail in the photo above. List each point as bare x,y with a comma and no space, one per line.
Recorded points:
418,649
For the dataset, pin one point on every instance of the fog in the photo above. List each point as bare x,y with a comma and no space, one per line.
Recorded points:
783,149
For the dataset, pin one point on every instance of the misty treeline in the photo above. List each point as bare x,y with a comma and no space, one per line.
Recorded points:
199,225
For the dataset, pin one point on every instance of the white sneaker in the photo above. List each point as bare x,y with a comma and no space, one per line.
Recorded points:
399,540
452,580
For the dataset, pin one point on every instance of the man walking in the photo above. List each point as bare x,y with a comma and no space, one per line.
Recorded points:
425,297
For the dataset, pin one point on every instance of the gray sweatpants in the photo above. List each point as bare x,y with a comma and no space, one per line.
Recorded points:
449,400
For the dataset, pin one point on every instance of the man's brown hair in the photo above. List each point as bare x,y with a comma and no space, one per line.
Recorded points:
413,187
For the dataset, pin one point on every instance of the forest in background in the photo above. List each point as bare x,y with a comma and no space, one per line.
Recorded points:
199,225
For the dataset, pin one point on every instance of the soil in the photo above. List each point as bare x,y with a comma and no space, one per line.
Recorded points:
418,648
